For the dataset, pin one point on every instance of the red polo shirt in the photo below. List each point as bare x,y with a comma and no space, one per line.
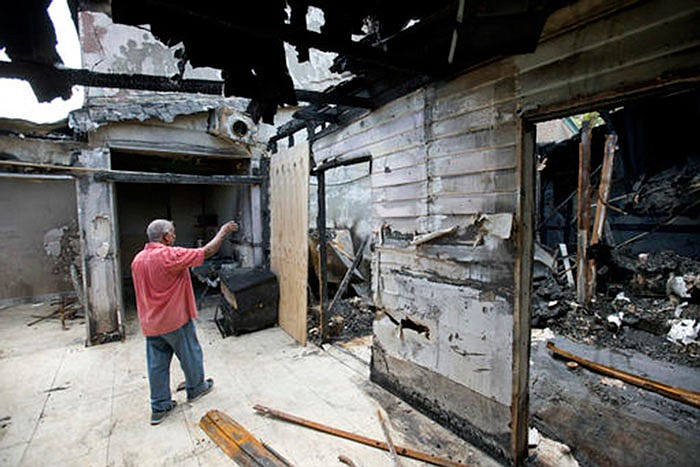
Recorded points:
164,295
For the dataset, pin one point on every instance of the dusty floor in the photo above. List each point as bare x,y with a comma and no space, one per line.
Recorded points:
65,404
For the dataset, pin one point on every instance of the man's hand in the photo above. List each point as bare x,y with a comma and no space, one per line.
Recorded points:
213,246
229,228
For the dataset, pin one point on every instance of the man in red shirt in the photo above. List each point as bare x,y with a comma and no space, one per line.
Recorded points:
166,309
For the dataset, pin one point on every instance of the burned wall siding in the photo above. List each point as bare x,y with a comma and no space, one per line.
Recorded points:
449,315
651,45
471,147
466,280
444,400
447,305
100,262
462,309
393,135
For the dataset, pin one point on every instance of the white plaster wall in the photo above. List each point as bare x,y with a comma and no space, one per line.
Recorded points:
28,211
117,48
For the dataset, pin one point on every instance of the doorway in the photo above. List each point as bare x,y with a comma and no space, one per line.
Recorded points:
616,259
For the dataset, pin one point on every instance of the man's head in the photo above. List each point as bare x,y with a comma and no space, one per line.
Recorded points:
162,231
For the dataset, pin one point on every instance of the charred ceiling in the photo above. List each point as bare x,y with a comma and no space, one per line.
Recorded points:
403,45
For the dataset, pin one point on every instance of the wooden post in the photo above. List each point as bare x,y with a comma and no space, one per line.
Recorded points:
604,189
265,208
323,267
525,219
583,214
601,207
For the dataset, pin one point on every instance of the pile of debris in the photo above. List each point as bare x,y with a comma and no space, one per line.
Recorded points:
673,191
347,275
62,247
649,303
352,317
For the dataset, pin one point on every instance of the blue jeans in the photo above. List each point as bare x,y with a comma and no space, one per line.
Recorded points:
159,353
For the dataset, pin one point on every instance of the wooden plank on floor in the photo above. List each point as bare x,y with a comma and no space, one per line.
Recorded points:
237,442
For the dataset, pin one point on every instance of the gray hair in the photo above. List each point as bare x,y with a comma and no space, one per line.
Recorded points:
157,228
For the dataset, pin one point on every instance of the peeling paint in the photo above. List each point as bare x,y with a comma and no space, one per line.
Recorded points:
499,225
103,250
52,242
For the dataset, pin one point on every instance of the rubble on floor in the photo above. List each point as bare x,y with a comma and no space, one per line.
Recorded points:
545,452
67,308
649,303
351,317
348,275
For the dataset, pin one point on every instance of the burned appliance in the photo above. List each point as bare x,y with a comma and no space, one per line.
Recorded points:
248,302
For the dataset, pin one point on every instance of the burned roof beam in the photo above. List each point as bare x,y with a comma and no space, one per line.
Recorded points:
316,97
30,71
316,114
172,178
337,162
284,131
324,42
127,176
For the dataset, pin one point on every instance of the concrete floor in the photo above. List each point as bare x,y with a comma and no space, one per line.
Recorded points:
65,404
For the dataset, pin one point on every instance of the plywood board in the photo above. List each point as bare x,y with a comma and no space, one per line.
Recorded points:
289,218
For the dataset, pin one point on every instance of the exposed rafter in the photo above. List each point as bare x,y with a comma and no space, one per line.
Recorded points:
32,71
315,113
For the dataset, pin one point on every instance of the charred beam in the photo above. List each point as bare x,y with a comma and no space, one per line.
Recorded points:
583,216
682,395
33,71
170,178
323,280
315,114
284,131
316,97
333,163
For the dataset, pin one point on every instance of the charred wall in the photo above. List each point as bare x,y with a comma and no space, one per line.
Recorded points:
451,152
441,157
